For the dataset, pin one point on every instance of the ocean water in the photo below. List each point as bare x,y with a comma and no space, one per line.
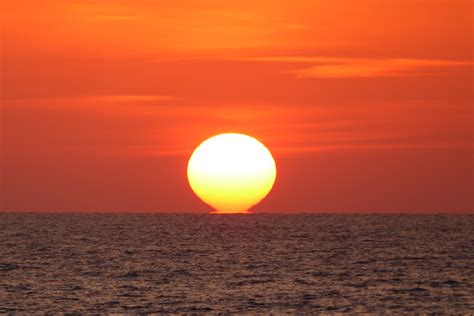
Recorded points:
236,264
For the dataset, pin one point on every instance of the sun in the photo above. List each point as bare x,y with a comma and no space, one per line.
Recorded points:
231,172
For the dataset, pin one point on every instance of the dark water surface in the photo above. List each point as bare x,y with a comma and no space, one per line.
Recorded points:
243,264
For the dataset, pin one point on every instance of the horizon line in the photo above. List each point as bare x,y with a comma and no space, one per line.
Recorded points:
240,214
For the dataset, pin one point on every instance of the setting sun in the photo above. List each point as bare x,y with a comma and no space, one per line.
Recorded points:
231,172
140,142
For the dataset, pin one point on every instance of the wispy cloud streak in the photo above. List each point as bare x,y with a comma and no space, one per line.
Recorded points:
336,67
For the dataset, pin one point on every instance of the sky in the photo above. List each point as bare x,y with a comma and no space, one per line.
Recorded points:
366,105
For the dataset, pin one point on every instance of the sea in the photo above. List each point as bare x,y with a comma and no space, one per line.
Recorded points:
236,264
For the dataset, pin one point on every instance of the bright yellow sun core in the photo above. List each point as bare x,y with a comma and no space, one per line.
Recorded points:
231,172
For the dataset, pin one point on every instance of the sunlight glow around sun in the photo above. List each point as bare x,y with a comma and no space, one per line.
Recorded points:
231,172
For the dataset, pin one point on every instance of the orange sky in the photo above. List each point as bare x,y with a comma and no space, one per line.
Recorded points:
367,105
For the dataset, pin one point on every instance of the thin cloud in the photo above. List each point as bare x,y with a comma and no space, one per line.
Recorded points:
376,68
336,67
119,105
174,128
108,98
129,98
294,148
370,146
115,18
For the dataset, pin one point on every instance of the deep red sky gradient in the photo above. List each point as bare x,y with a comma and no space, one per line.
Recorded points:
367,105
